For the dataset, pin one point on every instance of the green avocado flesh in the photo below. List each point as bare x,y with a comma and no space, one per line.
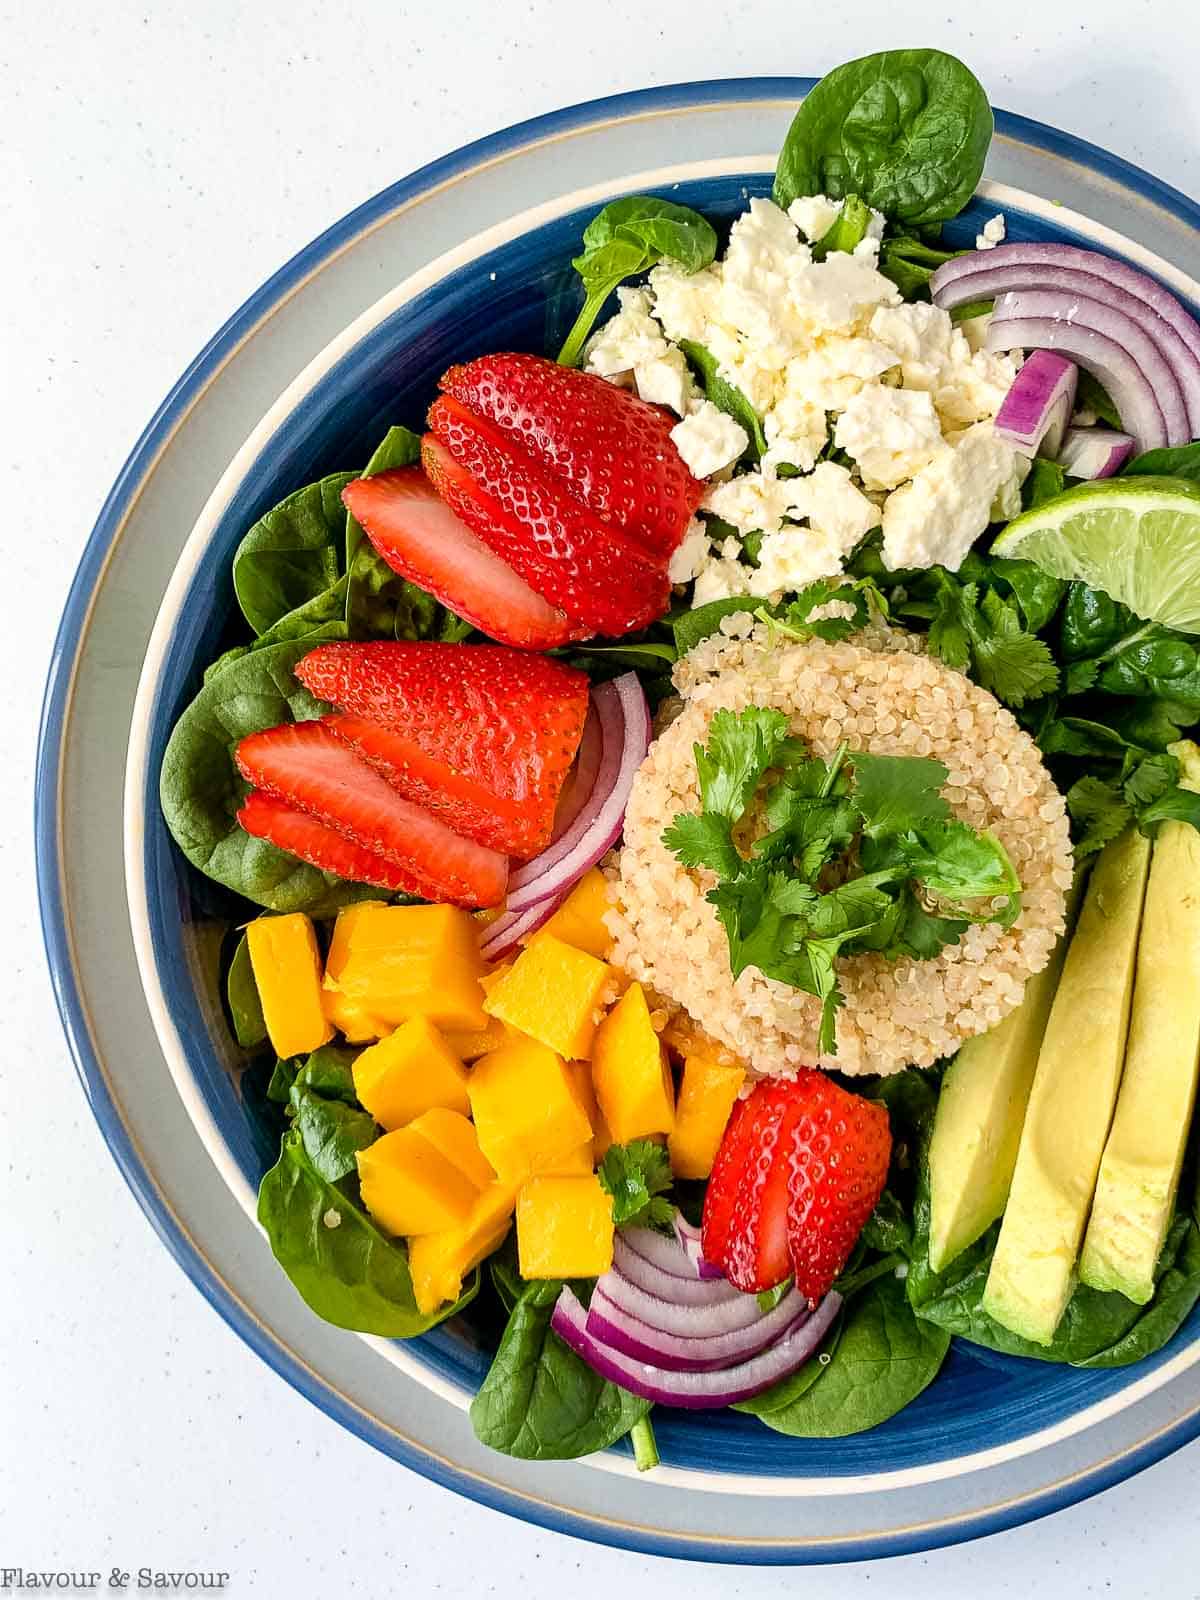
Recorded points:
980,1114
1071,1104
1135,1192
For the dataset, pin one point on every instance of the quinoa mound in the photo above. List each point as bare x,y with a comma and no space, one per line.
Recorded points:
879,694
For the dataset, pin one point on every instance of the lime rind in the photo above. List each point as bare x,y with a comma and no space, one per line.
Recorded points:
1137,540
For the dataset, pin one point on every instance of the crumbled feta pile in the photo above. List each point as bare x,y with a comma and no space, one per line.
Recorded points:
830,357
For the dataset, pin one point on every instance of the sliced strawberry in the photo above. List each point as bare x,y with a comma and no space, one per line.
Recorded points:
322,846
419,537
306,765
573,559
745,1223
481,735
838,1158
612,451
799,1170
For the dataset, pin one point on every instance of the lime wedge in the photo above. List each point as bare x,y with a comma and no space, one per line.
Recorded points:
1137,539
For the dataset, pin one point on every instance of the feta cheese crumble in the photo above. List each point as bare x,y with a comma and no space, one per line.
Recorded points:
709,440
993,233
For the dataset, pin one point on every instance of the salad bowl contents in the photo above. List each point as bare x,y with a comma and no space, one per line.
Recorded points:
716,814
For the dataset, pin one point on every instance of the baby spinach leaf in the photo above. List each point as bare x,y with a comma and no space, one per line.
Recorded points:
907,130
540,1401
1183,461
881,1362
201,789
726,396
628,237
1039,594
241,993
788,1390
1091,395
340,1263
692,627
292,554
331,1131
329,1071
279,1085
1046,481
848,229
911,262
379,603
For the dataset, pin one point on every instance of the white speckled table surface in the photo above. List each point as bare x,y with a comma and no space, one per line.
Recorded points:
157,162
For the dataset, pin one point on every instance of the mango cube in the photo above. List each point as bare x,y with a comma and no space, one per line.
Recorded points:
585,1092
630,1071
352,1020
414,961
287,971
564,1228
552,993
410,1187
575,1165
470,1044
409,1072
527,1112
579,921
452,1134
707,1094
438,1262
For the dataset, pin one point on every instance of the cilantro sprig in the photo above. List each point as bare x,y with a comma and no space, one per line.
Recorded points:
637,1176
862,852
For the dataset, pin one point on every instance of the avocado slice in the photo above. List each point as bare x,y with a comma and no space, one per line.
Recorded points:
1071,1103
1139,1175
981,1111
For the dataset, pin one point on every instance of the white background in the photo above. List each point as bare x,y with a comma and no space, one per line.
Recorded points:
157,162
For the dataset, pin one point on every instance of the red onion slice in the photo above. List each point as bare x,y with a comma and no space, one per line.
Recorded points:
988,282
658,1311
581,779
1094,452
1037,408
1110,362
511,928
1118,274
689,1237
624,719
691,1291
694,1390
1077,311
665,1253
685,1352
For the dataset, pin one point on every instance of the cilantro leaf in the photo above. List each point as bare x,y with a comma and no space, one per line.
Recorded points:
1177,805
1100,812
955,863
741,746
949,639
1013,664
703,840
1151,778
637,1176
796,620
921,933
896,793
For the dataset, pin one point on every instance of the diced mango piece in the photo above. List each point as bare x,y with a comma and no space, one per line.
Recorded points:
452,1134
470,1044
526,1110
351,1019
414,961
438,1262
579,921
575,1165
707,1092
564,1228
552,993
489,980
287,971
630,1071
410,1187
409,1072
581,1079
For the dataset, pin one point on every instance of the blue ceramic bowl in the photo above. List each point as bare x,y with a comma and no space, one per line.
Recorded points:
518,294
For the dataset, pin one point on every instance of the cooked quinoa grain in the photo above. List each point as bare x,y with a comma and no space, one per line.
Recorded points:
879,694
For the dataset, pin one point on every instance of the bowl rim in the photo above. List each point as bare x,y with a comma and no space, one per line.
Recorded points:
154,440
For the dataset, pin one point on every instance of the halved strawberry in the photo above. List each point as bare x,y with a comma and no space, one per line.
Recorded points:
574,560
481,735
838,1159
306,765
419,536
800,1168
322,846
745,1224
612,451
